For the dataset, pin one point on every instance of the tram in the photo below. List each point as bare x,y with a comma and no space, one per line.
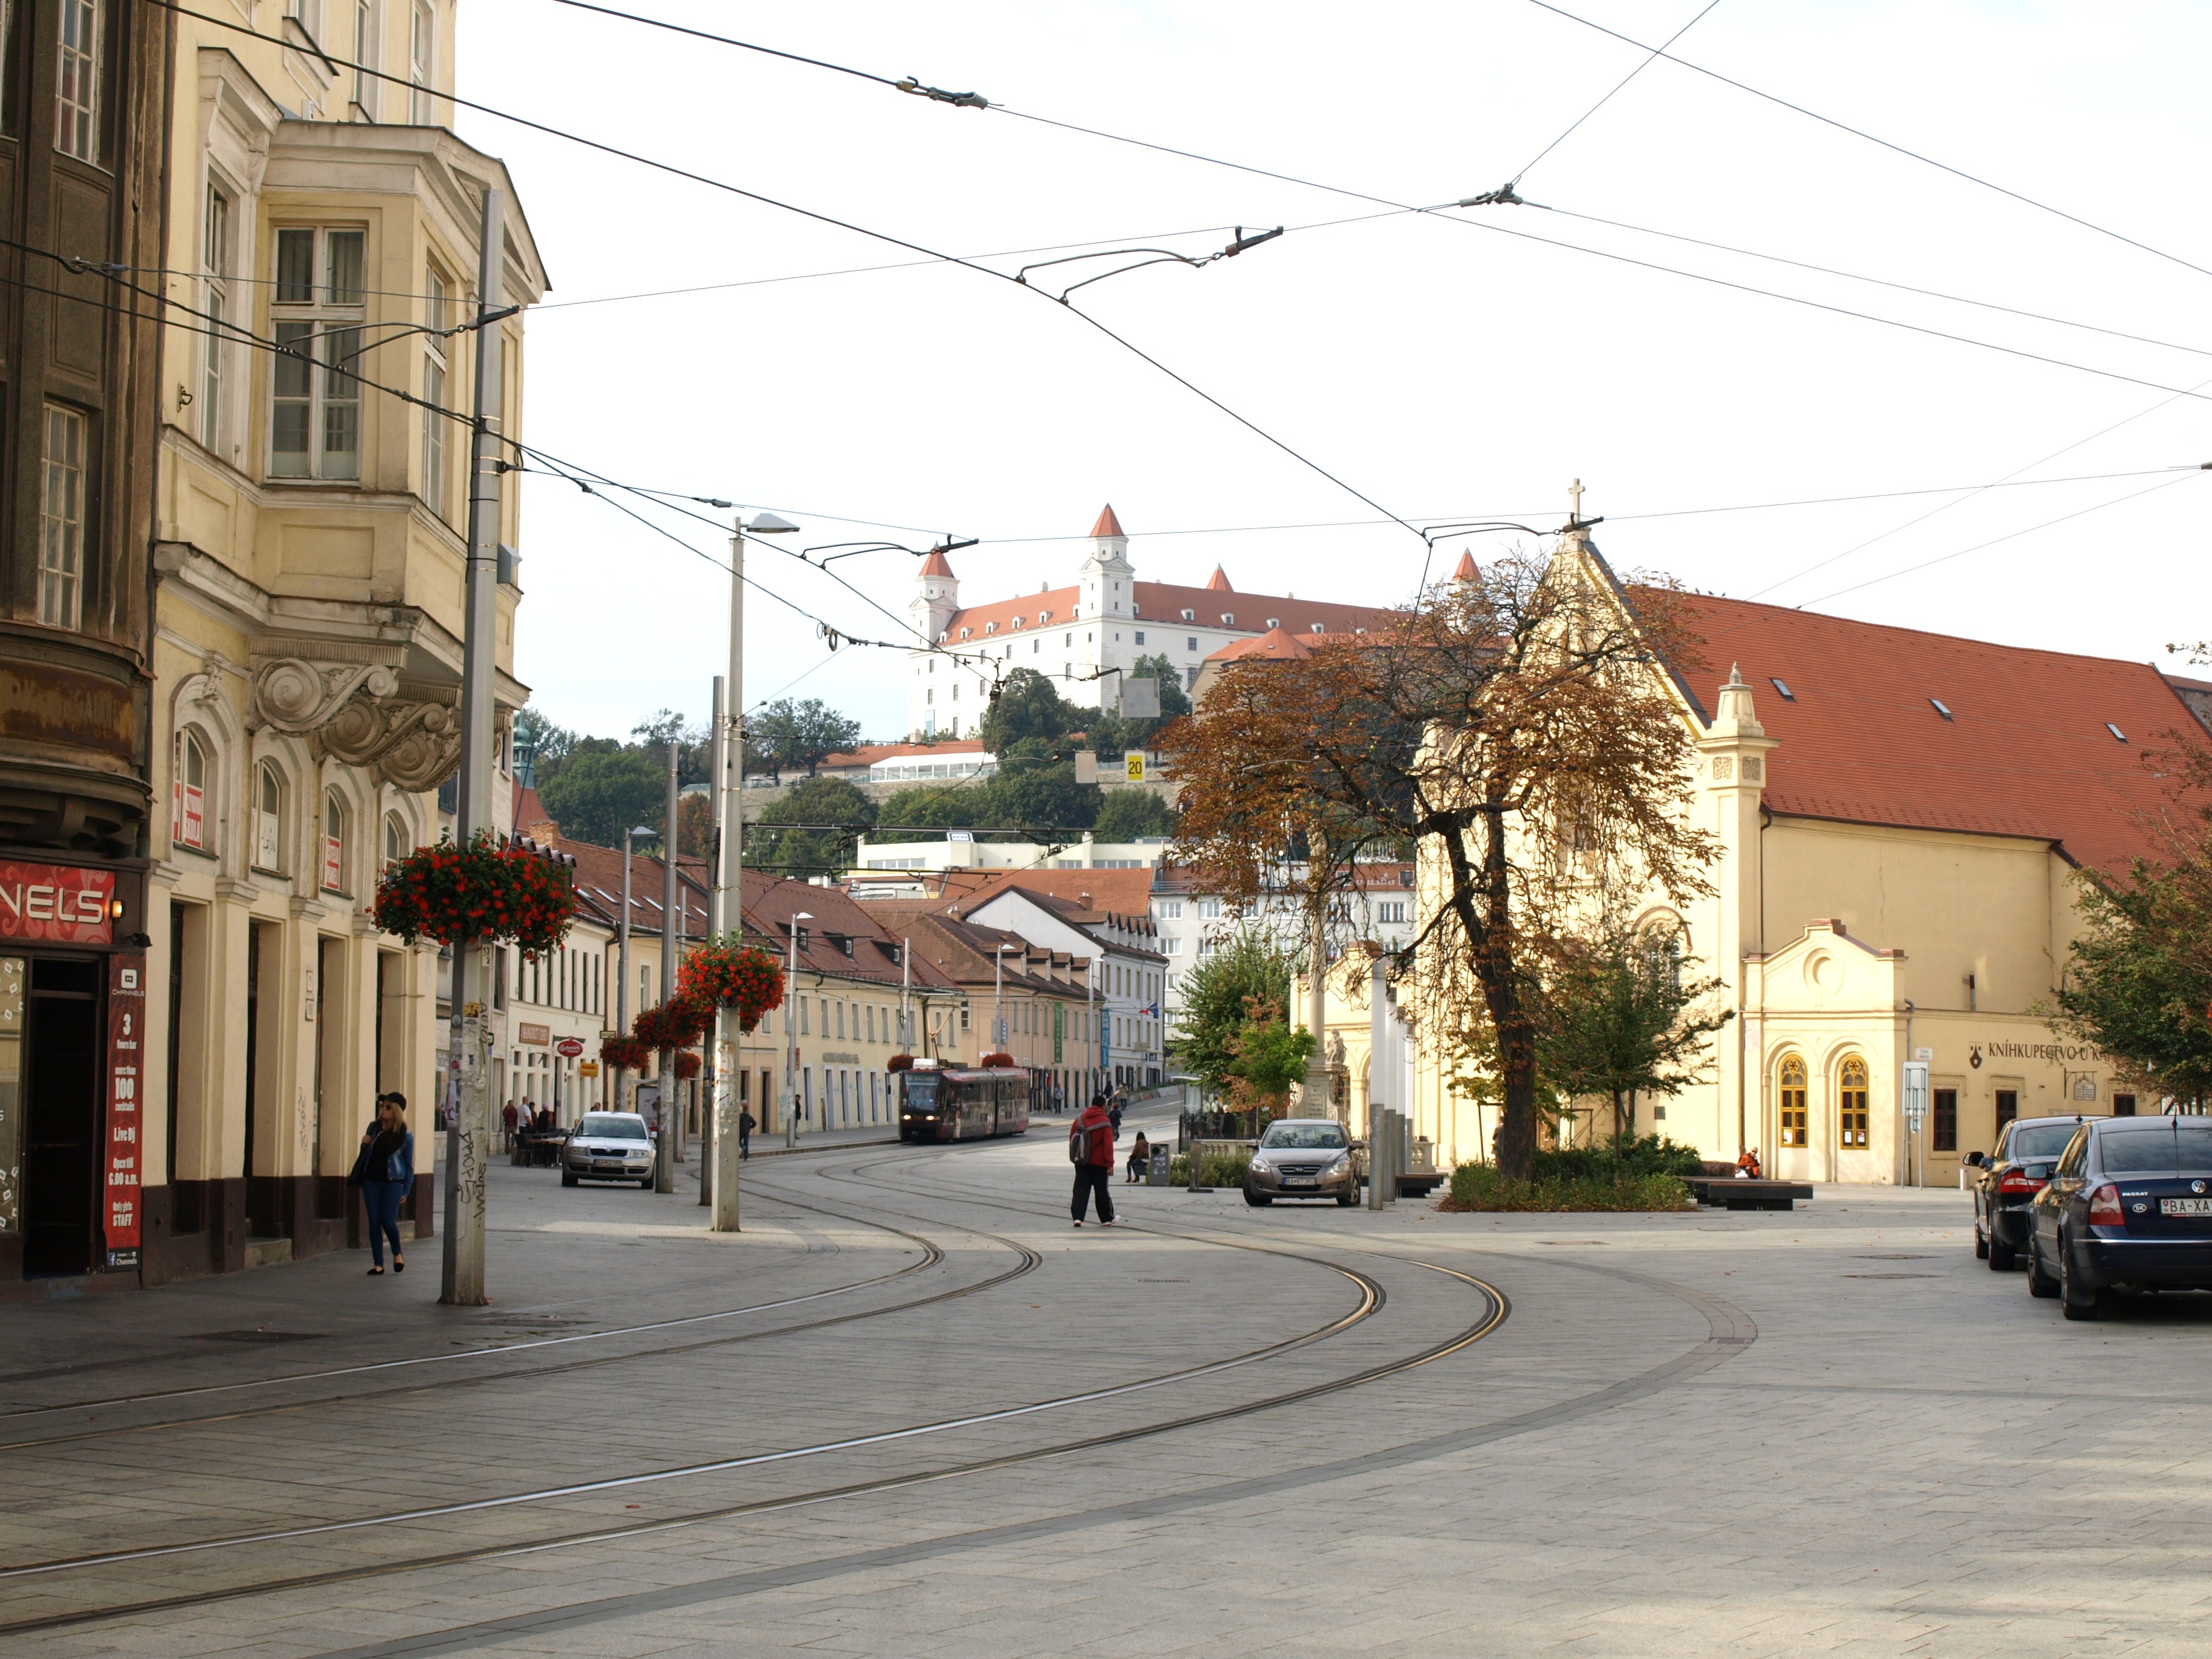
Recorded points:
942,1103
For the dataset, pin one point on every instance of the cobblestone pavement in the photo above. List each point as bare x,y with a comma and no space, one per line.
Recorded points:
910,1411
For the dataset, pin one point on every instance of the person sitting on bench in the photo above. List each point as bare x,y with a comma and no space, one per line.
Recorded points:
1746,1165
1140,1158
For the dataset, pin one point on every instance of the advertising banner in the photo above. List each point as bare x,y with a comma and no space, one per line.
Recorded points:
126,1021
54,902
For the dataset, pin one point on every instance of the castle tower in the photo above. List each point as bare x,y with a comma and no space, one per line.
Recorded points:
1108,579
937,596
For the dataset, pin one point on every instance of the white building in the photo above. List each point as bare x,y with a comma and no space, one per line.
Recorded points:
1127,967
1084,635
959,849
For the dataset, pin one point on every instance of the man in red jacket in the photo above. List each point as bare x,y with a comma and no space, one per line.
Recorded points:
1090,1148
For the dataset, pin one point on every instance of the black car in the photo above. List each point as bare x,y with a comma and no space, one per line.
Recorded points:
2129,1207
2005,1183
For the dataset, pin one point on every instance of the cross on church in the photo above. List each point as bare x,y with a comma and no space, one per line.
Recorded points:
1575,492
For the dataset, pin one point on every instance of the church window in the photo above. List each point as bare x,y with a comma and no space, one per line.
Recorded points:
1852,1101
1792,1092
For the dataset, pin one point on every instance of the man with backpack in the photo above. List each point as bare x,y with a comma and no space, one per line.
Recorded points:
1091,1149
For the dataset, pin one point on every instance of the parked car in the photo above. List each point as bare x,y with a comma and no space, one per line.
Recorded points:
608,1147
2128,1207
1301,1158
2005,1182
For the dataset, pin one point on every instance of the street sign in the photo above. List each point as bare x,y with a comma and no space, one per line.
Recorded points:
1924,1053
1915,1093
1133,765
567,1047
589,1069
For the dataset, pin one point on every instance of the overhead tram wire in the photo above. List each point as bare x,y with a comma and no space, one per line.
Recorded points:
827,219
1647,62
1857,132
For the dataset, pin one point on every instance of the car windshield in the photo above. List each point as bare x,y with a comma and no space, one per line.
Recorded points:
921,1089
1303,1137
2148,1150
611,1126
2038,1141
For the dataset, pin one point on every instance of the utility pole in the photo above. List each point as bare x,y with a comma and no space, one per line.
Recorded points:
1378,1036
1318,1085
1090,1019
791,1031
462,1279
711,1074
672,1124
999,1000
729,882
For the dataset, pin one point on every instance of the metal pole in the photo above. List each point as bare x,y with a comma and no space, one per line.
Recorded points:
711,1072
999,998
1377,1132
462,1279
1090,1018
730,884
664,1176
791,1037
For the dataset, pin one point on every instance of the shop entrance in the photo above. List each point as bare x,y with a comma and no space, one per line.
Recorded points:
62,1118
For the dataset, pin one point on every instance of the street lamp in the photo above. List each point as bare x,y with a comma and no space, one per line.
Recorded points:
791,1030
621,976
998,997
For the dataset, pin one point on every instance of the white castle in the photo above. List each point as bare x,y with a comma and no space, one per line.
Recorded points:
1087,637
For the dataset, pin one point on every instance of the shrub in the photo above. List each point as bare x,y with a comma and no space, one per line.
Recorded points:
1480,1187
1650,1156
1219,1170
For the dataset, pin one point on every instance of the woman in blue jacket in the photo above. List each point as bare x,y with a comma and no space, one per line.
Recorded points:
387,1175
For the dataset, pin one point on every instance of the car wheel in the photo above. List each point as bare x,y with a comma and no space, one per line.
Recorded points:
1347,1198
2039,1283
2076,1301
2003,1257
567,1177
1257,1200
1981,1243
647,1184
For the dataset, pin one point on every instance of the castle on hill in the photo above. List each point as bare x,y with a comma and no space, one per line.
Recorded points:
1085,636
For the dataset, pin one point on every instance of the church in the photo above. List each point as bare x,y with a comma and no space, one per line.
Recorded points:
1086,635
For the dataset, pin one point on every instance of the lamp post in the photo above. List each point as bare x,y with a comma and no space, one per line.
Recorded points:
621,976
671,894
998,997
791,1030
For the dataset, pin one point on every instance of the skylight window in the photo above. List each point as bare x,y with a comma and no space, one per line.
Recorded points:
1788,696
1938,704
2116,732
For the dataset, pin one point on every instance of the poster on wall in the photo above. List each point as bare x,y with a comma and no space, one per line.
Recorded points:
62,903
126,1020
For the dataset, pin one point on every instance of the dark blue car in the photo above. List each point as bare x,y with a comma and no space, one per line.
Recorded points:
2128,1208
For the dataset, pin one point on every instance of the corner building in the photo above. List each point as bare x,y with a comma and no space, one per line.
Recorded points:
308,542
1902,818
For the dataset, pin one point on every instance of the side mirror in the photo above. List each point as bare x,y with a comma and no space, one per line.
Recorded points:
1975,1159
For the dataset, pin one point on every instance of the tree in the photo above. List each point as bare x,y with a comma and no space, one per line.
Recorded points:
1131,815
1027,706
1245,977
1034,791
1270,1055
600,793
836,812
934,806
695,826
1116,734
1519,727
1619,1017
547,745
694,744
787,736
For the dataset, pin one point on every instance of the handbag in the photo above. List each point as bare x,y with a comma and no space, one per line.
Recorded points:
359,1173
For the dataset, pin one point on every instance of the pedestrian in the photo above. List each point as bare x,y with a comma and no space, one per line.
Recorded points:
508,1116
385,1171
744,1134
1091,1149
1114,1112
1140,1155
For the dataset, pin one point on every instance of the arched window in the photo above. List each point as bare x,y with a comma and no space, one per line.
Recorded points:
268,817
188,794
1792,1092
334,842
1851,1102
395,839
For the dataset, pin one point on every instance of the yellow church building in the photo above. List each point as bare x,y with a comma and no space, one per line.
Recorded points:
1902,817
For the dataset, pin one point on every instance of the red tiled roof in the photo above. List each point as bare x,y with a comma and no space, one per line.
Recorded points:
1107,525
1274,644
869,753
1161,602
1055,604
2027,751
1117,892
1465,570
934,565
1218,581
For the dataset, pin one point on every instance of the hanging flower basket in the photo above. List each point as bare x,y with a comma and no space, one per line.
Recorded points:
899,1063
625,1053
484,890
723,973
675,1024
687,1065
1002,1060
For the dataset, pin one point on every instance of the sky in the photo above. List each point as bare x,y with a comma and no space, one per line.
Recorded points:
1431,367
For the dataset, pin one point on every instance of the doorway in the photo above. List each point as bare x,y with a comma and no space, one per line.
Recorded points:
62,1118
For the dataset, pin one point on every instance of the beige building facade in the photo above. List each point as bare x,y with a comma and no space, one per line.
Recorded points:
310,514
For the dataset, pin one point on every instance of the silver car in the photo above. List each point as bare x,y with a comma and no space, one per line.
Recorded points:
608,1147
1302,1157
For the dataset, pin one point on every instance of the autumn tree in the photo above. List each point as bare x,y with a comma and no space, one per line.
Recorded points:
1519,728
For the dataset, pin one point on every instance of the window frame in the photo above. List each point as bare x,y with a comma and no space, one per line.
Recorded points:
438,290
331,328
82,64
332,875
218,234
268,820
396,833
188,802
1793,1077
1854,1107
1943,1131
422,62
64,538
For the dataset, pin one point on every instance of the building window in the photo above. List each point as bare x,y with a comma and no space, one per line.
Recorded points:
1851,1102
268,817
214,261
438,305
364,56
2008,1107
2123,1105
395,839
422,62
1395,910
334,842
320,306
61,520
77,96
188,794
1792,1092
1209,909
1946,1129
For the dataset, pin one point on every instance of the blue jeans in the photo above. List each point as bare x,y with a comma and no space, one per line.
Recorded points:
383,1198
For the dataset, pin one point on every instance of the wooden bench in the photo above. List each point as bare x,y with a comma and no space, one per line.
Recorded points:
1727,1192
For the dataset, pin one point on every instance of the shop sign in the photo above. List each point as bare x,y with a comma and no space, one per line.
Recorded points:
567,1047
126,1019
589,1069
535,1037
67,905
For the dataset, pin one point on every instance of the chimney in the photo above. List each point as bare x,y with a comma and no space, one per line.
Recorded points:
1085,898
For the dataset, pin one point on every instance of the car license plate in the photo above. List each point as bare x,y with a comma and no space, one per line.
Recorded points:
2184,1207
1297,1181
